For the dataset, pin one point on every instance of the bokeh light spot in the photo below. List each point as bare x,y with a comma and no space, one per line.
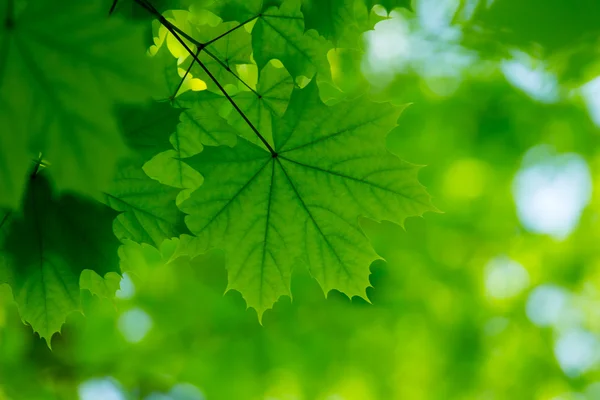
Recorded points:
551,191
126,288
100,389
577,351
531,77
134,324
591,95
505,278
546,304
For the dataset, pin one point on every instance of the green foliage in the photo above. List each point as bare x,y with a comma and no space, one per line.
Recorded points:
170,169
287,189
64,68
300,200
46,249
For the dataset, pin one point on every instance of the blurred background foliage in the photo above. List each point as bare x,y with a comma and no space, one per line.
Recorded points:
497,298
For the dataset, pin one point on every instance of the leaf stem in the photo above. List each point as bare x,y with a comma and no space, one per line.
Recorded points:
38,164
187,72
150,8
231,30
112,7
5,218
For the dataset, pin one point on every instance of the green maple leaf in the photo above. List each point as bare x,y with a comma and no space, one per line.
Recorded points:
271,98
341,21
389,5
240,10
104,287
148,213
333,19
63,68
47,247
147,129
280,34
301,204
200,124
230,50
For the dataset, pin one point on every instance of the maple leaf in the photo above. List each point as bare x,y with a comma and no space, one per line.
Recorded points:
227,45
47,247
270,99
200,124
279,33
389,5
63,68
332,19
148,213
301,202
340,21
241,10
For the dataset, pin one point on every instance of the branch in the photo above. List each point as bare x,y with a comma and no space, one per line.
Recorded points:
187,72
228,69
201,46
231,30
150,8
171,29
5,218
222,89
112,7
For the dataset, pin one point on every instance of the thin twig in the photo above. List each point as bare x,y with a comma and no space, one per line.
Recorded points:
112,7
222,89
187,72
172,29
231,30
228,69
38,164
5,218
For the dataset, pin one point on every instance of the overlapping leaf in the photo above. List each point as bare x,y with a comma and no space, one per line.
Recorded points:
222,55
271,98
147,207
63,67
302,203
280,34
46,248
200,124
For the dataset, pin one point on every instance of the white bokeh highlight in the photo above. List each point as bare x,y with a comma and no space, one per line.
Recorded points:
551,190
126,288
547,305
531,77
577,351
591,95
505,278
100,389
134,325
428,45
181,391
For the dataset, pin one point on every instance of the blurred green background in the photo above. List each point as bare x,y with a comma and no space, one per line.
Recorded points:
496,298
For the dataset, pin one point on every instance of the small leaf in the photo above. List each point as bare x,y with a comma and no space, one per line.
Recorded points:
390,5
104,287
